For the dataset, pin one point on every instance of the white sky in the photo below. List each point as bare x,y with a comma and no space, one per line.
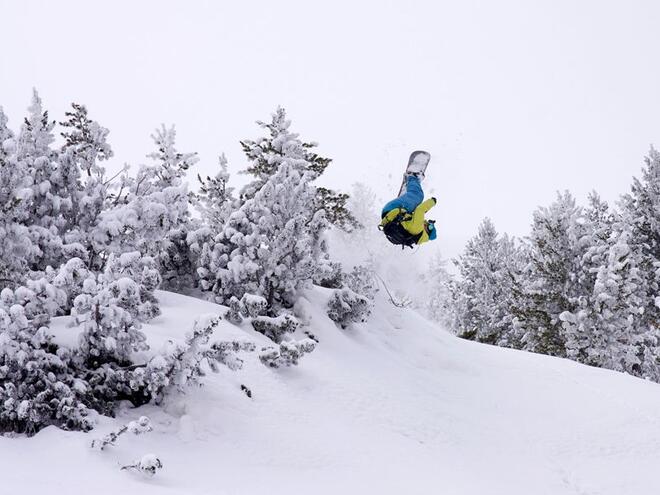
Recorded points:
515,100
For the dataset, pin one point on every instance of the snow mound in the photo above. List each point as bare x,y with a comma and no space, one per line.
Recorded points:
395,405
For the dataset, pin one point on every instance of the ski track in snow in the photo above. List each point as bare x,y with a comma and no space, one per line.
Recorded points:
392,406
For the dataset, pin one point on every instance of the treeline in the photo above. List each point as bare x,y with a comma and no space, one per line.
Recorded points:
583,285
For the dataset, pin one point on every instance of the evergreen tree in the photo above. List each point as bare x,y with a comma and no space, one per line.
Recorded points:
6,135
272,245
15,244
47,200
483,293
551,283
268,153
641,212
85,147
613,324
150,213
439,305
215,202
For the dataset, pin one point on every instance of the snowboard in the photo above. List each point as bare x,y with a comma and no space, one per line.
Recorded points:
417,163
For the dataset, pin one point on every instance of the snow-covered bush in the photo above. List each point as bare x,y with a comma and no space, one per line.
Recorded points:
143,270
149,464
37,385
275,328
181,365
69,278
287,354
362,280
112,306
111,332
329,275
346,307
234,314
138,427
253,306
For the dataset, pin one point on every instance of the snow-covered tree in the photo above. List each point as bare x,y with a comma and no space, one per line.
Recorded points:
215,199
37,385
112,306
268,153
85,148
151,208
488,270
15,245
346,307
439,303
287,353
47,198
182,365
272,245
641,212
551,284
215,202
6,134
609,331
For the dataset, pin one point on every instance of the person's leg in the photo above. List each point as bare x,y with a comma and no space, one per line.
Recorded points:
408,201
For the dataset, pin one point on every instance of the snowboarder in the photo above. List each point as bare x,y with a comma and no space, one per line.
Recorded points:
403,218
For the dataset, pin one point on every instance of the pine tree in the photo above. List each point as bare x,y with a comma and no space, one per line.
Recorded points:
46,202
268,153
439,305
215,202
6,135
551,284
15,244
483,294
150,213
641,212
272,245
37,384
91,191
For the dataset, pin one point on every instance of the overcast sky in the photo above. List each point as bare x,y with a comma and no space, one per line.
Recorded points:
514,100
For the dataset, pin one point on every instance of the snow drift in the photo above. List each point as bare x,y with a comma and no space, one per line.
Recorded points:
395,405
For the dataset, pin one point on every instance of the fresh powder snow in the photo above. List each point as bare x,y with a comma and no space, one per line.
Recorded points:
395,405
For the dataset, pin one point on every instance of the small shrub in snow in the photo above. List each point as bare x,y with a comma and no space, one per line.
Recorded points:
275,328
362,281
148,465
225,353
182,364
138,427
233,315
252,306
287,353
247,391
346,307
329,275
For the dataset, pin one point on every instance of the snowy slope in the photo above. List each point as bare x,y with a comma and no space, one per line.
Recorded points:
393,406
